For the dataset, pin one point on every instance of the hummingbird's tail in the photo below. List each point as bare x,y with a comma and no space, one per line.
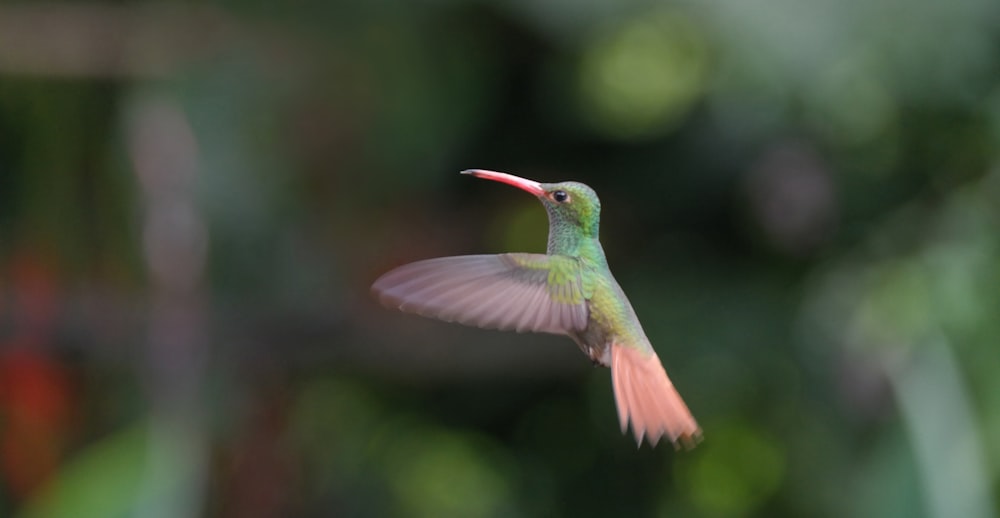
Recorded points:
646,397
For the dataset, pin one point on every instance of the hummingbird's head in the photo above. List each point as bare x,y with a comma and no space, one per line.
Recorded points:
571,205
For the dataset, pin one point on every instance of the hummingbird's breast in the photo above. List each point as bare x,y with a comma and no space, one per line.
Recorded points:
611,320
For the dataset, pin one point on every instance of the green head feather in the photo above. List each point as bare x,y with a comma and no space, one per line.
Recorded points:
574,216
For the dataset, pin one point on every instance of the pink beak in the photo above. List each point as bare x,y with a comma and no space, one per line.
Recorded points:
522,183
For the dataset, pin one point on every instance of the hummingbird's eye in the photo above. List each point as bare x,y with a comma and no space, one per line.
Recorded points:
560,196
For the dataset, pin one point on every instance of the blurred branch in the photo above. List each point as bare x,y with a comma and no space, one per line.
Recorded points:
165,156
362,342
105,40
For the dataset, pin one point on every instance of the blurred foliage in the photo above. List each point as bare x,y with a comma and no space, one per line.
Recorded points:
799,198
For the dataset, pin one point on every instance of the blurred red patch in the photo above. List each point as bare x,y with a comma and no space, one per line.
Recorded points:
35,404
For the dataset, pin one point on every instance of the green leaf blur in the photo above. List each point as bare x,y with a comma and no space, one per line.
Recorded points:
799,198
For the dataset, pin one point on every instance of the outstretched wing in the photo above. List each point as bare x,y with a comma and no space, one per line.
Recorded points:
522,292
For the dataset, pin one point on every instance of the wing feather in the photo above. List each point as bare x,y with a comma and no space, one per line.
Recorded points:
507,291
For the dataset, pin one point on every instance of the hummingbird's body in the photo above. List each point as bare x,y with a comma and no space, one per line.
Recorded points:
568,290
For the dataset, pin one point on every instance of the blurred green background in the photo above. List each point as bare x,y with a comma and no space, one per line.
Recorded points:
800,198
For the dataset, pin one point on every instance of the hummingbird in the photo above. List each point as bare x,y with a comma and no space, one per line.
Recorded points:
569,290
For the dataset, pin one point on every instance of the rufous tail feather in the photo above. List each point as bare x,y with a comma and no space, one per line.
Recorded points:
646,397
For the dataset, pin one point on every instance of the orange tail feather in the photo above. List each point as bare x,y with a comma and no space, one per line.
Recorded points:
646,397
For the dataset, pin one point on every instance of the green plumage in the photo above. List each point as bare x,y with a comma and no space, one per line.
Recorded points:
574,225
569,291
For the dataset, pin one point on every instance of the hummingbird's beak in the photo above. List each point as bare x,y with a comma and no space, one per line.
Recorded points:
522,183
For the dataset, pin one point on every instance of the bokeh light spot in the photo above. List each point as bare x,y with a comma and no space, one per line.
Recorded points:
643,77
898,308
736,471
850,103
436,473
